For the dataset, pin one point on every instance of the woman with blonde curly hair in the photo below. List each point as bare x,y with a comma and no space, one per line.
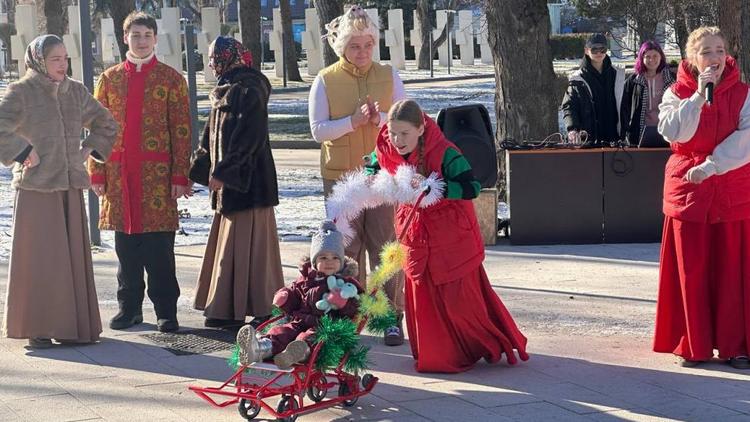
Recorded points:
347,104
704,278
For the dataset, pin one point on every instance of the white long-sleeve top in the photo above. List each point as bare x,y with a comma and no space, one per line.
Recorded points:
679,119
321,125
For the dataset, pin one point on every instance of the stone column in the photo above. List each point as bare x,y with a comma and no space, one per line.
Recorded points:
442,19
110,49
394,38
484,41
312,43
416,37
373,14
72,42
26,30
210,29
168,45
465,36
276,44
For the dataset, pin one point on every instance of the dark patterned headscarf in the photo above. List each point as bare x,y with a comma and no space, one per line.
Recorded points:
36,50
227,53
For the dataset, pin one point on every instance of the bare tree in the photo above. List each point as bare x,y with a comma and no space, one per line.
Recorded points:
730,22
425,9
120,10
290,51
525,99
52,16
327,11
249,17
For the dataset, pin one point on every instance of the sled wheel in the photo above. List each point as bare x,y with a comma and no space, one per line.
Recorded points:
248,409
317,390
287,403
344,391
367,380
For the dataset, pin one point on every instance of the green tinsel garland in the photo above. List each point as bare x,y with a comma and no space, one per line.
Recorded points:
377,324
234,359
338,336
357,360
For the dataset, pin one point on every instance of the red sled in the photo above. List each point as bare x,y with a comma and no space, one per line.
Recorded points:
303,381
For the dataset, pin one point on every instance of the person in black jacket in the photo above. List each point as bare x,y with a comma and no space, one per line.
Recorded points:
592,102
241,268
639,111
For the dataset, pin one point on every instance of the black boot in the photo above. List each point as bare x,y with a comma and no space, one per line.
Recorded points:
125,320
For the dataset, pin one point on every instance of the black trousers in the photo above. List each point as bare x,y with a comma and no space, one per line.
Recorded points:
154,253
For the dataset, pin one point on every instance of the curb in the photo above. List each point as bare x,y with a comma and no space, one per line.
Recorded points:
295,145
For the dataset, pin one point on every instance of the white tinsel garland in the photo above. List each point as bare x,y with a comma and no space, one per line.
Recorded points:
356,191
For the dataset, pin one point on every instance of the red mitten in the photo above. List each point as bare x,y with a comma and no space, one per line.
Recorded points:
281,296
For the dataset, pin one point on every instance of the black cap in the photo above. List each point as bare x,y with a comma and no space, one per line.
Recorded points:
597,40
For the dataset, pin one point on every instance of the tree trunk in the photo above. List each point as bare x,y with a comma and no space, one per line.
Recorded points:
729,22
525,100
120,10
327,11
744,51
646,30
424,11
54,16
249,17
290,51
680,26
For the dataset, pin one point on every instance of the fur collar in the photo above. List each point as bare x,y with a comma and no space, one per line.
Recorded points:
223,95
48,85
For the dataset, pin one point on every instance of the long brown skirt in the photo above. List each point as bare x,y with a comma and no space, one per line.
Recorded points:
51,291
241,268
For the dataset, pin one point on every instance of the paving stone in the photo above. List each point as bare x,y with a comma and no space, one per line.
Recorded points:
60,407
538,411
451,409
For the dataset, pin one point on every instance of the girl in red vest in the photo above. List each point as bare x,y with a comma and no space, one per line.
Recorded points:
704,280
453,316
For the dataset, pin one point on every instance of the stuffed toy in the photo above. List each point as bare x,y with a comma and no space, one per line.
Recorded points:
339,292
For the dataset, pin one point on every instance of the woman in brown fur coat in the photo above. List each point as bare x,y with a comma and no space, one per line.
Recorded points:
51,293
242,264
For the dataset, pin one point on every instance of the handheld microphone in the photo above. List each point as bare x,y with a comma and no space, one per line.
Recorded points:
710,87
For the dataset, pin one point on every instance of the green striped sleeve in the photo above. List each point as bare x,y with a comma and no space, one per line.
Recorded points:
459,179
371,164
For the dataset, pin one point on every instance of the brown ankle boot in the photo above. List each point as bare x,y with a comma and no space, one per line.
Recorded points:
295,352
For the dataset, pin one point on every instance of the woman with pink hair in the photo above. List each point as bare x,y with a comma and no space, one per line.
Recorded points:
639,110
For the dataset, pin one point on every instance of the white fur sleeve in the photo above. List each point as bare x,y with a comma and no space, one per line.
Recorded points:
321,126
734,151
678,119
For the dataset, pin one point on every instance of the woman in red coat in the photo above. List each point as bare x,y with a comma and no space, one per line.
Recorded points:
704,280
453,316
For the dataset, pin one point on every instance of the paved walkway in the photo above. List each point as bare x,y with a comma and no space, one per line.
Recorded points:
587,312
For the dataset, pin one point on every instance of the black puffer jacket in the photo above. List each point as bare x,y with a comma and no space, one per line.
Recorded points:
235,147
632,111
592,101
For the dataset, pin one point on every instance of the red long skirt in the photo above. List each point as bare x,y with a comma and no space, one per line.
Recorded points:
704,290
453,325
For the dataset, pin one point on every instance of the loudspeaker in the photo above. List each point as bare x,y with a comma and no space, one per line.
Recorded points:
469,127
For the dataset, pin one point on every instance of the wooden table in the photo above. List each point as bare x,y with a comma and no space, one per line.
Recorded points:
580,196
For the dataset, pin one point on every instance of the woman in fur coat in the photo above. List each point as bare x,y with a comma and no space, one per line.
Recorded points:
41,118
242,264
